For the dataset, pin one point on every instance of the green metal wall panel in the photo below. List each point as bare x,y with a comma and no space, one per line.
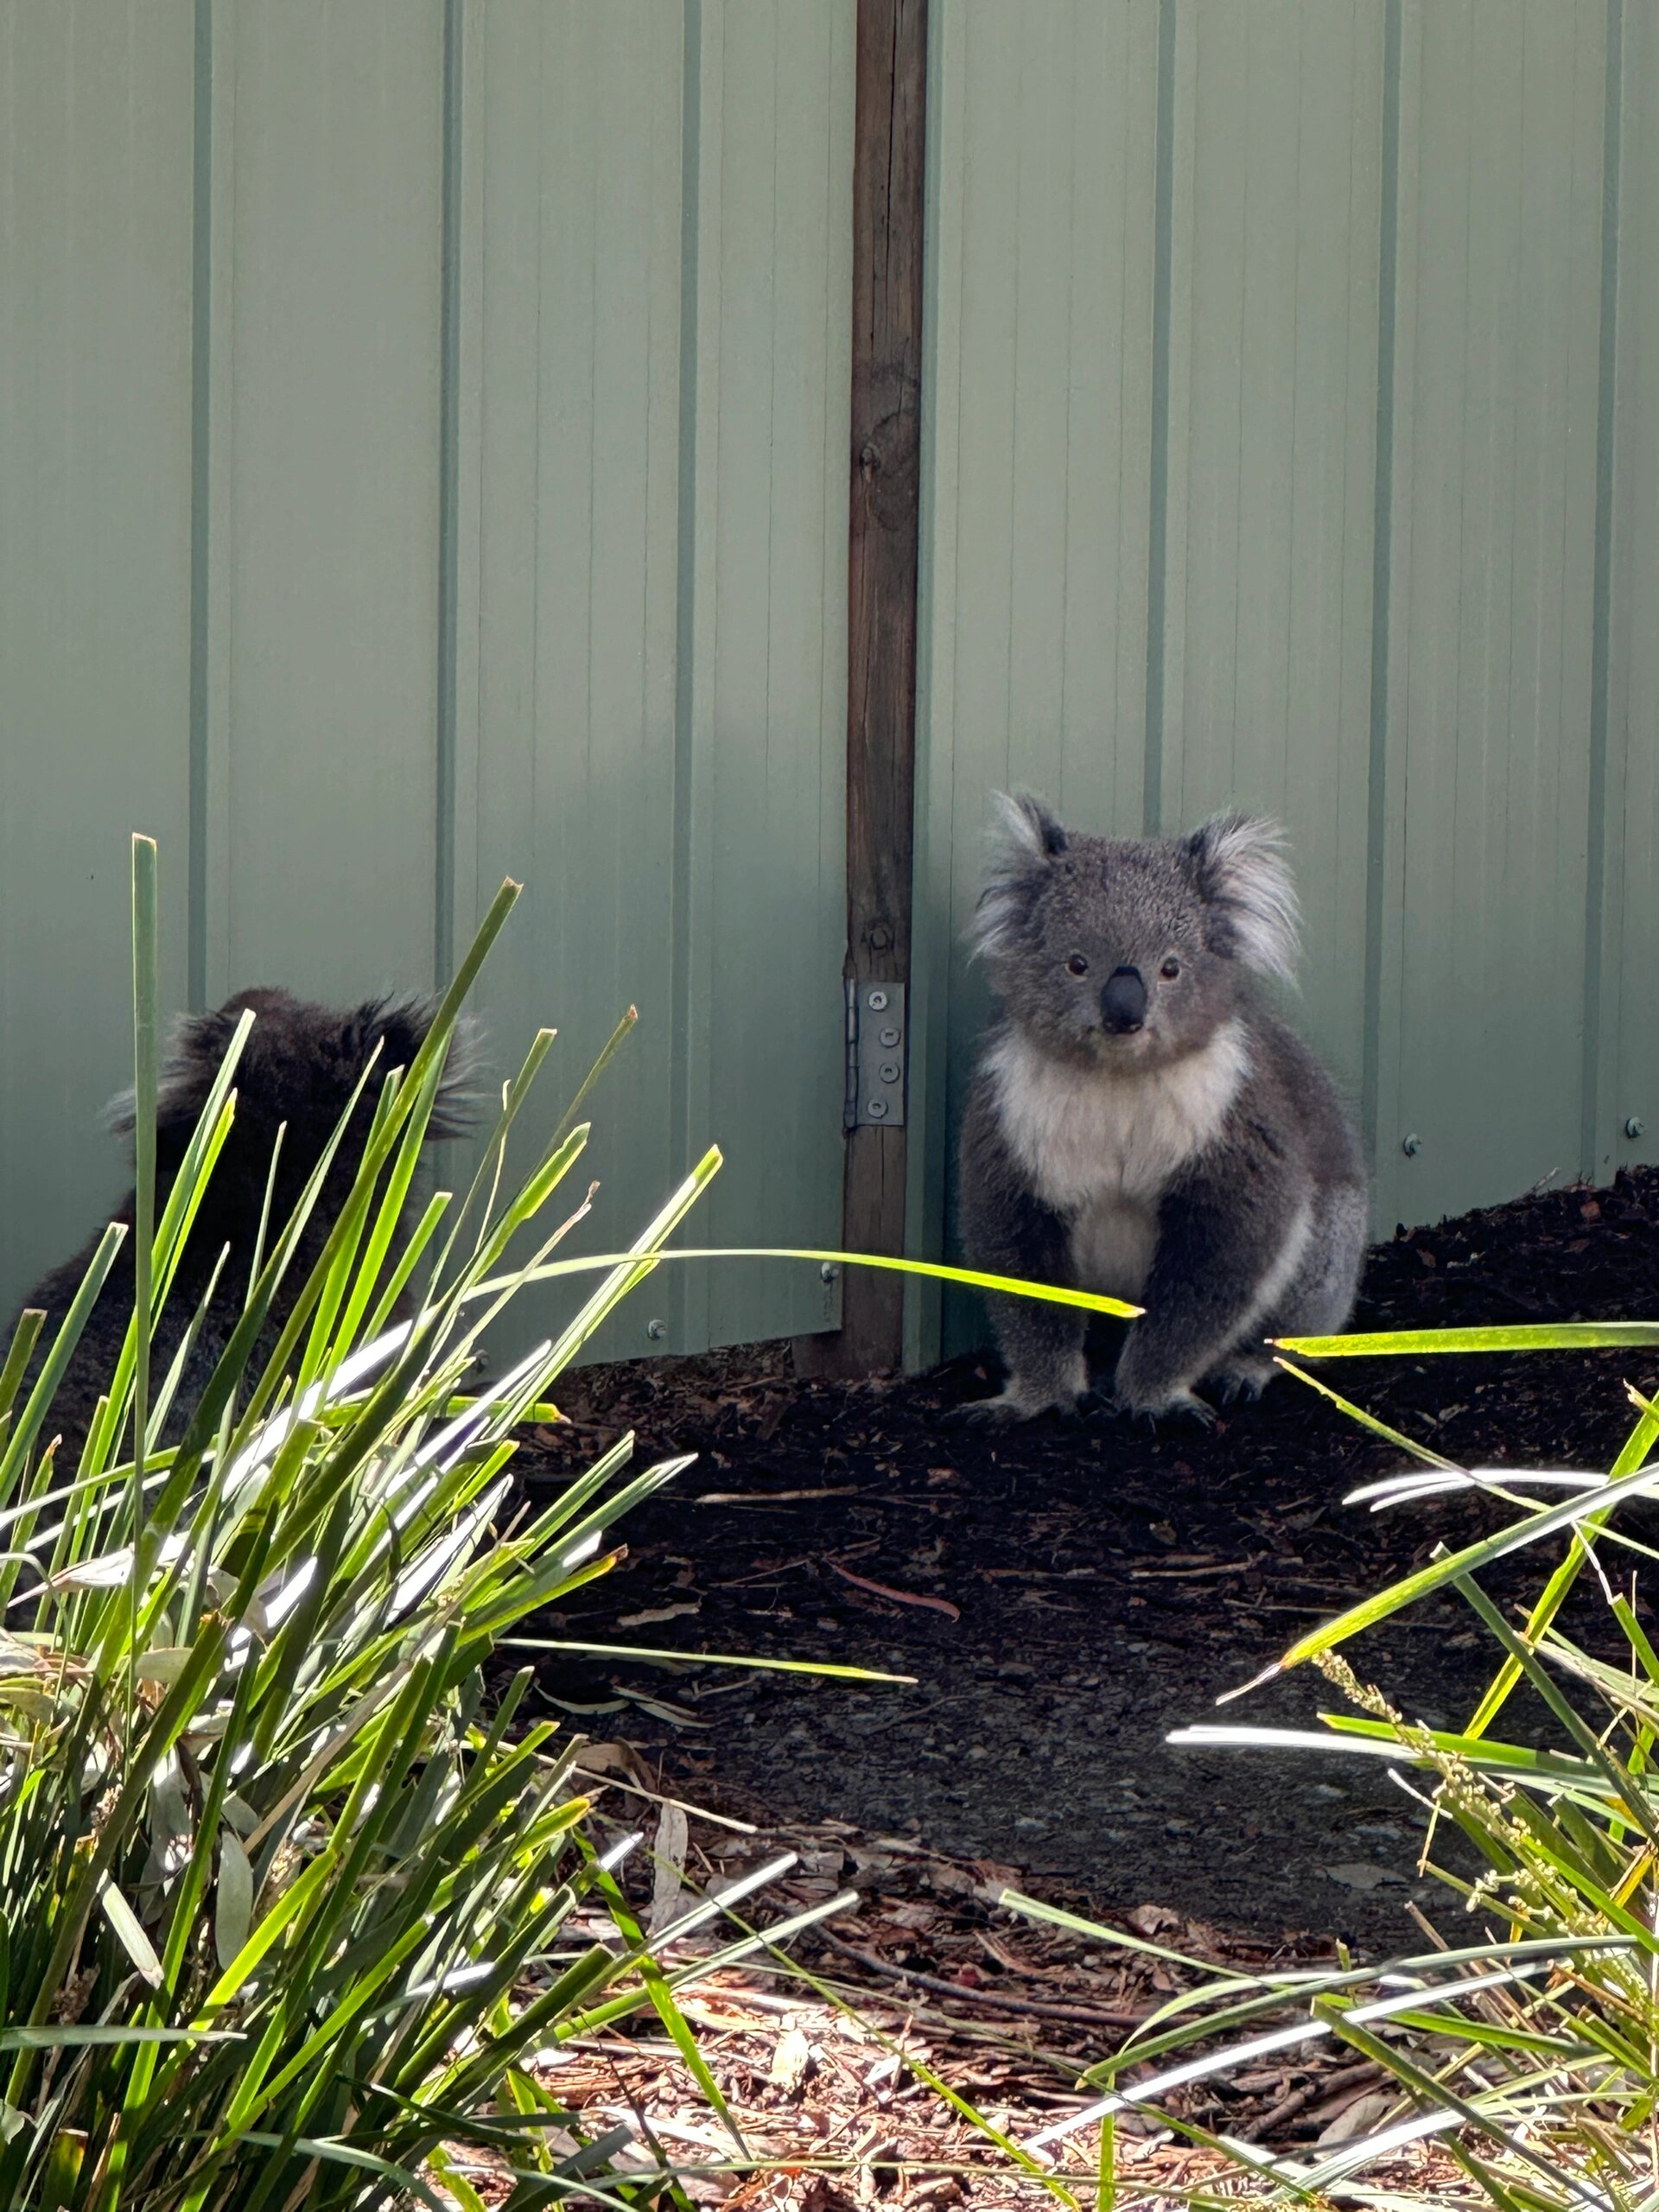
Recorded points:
1622,1068
1264,661
423,427
95,545
572,336
426,461
1039,407
322,406
1331,493
1495,394
661,351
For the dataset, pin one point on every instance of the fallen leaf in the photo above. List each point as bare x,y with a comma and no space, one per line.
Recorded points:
899,1597
668,1887
792,2060
655,1613
767,1497
660,1709
610,1759
1359,1874
1360,2117
911,1915
1152,1919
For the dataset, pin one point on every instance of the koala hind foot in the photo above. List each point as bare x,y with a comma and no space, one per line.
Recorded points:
1176,1405
1244,1378
1023,1397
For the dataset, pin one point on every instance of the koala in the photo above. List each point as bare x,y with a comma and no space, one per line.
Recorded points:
1140,1125
298,1068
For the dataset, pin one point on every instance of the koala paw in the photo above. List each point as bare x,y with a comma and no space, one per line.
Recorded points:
1013,1404
1179,1404
1241,1379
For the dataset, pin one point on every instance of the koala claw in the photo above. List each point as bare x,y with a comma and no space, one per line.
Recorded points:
1180,1404
1011,1405
987,1413
1244,1380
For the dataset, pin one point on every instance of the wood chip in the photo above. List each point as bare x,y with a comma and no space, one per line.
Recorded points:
899,1597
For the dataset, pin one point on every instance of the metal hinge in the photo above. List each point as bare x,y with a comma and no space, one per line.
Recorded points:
877,1056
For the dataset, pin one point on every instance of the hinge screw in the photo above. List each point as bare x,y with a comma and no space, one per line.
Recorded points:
877,1109
1634,1126
656,1331
878,1002
888,1036
1411,1145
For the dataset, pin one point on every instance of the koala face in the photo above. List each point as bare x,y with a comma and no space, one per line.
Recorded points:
1130,952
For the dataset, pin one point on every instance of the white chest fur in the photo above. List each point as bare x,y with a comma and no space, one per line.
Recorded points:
1101,1149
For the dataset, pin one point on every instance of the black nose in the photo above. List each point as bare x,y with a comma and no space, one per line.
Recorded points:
1123,1001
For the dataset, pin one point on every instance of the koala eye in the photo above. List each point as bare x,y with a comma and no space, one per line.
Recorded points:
1077,965
1170,969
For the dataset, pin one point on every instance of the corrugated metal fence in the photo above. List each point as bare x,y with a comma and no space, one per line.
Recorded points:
424,458
1293,444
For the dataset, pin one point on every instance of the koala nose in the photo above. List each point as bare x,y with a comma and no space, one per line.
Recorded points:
1123,1001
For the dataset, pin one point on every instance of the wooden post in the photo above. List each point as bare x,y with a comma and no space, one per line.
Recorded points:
888,213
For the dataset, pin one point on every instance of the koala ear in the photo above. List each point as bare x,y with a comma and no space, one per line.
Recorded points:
1024,838
460,1089
1240,864
198,1043
401,1025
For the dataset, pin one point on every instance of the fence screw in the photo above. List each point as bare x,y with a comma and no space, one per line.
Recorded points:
657,1330
1411,1145
1634,1126
828,1272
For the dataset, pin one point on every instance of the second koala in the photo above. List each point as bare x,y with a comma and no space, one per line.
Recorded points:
1140,1125
297,1073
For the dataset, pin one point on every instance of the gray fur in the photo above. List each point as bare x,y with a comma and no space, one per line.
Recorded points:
298,1071
1200,1165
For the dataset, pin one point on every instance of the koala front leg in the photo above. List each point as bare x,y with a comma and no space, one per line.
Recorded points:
1007,1231
1215,1248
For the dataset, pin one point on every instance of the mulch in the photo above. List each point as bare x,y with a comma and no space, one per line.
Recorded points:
1059,1597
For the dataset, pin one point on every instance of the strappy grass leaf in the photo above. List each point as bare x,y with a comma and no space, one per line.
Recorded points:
283,1904
1532,2060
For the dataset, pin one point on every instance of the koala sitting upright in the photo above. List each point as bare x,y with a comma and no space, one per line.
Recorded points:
298,1070
1139,1126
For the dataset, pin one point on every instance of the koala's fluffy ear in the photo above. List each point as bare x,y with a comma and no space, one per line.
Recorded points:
1240,863
1024,838
400,1026
197,1045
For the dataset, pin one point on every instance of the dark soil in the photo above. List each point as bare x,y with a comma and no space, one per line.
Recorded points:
1065,1593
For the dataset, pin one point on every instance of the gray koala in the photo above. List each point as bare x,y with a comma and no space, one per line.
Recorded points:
298,1071
1139,1125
